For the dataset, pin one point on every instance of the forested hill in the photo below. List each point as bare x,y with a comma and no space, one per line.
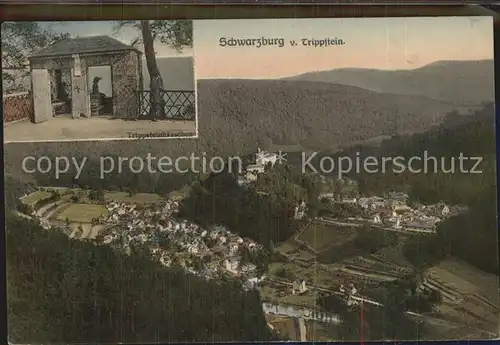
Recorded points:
471,136
68,291
316,115
472,236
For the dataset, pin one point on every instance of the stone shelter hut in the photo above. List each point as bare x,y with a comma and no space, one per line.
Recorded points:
62,78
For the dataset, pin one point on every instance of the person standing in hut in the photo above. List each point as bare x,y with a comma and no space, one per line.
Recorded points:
95,91
95,85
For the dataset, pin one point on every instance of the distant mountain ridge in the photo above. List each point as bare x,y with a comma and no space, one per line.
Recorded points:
459,82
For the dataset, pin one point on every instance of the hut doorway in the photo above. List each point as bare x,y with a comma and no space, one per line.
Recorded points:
100,86
61,92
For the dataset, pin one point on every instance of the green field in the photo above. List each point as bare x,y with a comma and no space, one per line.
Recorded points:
286,247
82,213
33,198
272,294
57,189
180,194
294,271
305,254
314,274
138,198
320,236
293,248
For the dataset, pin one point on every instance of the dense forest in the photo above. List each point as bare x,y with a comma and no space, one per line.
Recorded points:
471,136
264,211
69,291
314,114
472,237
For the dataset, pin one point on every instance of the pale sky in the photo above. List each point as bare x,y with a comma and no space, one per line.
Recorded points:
126,34
379,43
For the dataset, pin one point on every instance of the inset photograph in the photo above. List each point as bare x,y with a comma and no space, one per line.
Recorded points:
103,80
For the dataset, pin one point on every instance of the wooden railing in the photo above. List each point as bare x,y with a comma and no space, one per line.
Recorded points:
178,105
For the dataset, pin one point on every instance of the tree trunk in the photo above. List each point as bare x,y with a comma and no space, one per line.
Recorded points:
157,108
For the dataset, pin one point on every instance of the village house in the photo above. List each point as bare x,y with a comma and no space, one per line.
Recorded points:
252,283
444,210
400,207
364,202
329,196
263,158
375,219
193,249
389,213
299,287
437,210
349,291
394,222
372,203
350,181
386,215
397,205
232,264
348,200
398,196
300,210
233,249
